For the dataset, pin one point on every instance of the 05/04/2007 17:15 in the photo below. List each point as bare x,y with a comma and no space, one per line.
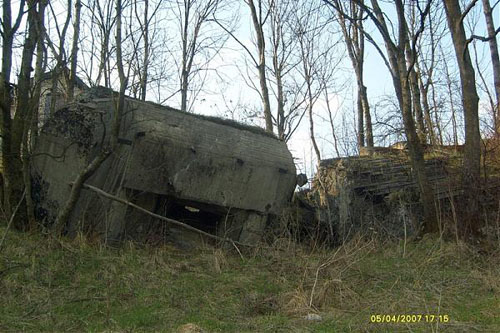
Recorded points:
409,318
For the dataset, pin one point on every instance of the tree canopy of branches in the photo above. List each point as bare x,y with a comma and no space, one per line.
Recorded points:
285,60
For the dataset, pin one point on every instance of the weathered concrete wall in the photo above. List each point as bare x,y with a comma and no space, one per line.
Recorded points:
56,165
200,160
209,163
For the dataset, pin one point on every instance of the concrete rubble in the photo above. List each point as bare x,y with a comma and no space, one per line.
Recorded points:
374,194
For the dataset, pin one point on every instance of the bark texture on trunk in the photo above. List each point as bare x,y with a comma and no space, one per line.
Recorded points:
9,30
495,62
417,155
77,186
31,130
261,67
355,43
368,118
74,51
397,54
470,100
417,107
184,70
145,61
424,94
22,120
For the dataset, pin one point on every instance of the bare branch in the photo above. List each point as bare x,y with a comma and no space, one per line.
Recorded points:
162,218
467,10
483,39
417,34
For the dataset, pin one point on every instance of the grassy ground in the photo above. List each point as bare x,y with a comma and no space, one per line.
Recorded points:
61,286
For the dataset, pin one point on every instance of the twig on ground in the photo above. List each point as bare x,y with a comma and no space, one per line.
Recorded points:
12,218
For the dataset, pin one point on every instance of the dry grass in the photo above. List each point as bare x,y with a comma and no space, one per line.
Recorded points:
77,285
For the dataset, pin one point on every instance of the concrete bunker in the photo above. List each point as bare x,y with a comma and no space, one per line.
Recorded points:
215,174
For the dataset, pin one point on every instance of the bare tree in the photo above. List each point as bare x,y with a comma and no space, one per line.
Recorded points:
199,40
450,89
426,68
17,125
99,23
331,120
89,170
355,43
9,30
308,44
278,65
260,14
74,51
400,60
495,62
145,20
317,60
59,70
145,37
30,130
284,62
22,122
470,100
413,24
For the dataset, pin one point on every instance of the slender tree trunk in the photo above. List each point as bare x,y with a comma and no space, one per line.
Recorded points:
76,189
60,71
189,47
470,100
6,103
310,104
117,119
54,88
280,120
6,90
22,119
424,94
311,124
424,87
332,125
184,70
105,27
74,51
399,56
417,107
360,119
437,122
184,90
261,67
354,40
281,106
368,118
40,65
104,66
495,62
145,63
77,186
31,128
415,148
415,95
